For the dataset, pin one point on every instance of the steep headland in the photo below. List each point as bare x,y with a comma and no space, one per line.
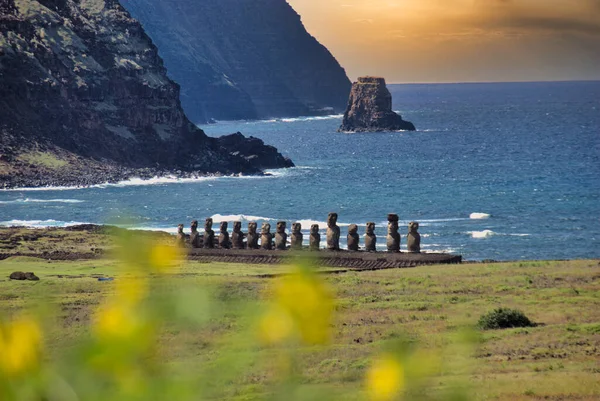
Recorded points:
370,108
85,98
240,59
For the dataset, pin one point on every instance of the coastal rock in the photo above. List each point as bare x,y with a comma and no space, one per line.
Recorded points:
254,151
85,99
370,108
240,59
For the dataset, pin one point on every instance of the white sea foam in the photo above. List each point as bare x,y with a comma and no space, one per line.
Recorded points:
479,216
218,218
28,200
39,223
482,234
317,118
170,179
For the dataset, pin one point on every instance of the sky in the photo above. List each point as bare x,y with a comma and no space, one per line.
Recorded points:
459,40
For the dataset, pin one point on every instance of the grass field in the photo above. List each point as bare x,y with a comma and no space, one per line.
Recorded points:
558,359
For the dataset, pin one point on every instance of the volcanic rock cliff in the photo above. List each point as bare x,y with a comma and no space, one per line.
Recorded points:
84,97
370,108
242,59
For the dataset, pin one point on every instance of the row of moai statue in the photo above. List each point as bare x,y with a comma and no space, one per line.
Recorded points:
279,241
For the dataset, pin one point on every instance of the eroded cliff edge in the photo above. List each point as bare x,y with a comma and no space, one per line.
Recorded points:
241,59
84,98
370,108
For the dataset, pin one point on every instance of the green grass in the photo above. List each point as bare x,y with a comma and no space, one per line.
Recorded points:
43,159
558,359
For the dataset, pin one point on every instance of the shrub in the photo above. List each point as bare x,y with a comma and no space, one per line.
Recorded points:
504,318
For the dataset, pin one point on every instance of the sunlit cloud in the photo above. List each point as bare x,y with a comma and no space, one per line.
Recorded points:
459,40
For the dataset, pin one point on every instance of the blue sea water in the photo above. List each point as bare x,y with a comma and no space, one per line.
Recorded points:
505,171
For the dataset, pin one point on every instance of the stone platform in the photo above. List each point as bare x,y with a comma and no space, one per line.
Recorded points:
343,259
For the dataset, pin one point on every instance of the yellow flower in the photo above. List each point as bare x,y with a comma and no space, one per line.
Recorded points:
385,379
115,321
275,326
164,258
20,344
303,304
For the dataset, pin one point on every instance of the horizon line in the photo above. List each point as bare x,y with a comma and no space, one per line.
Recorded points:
492,82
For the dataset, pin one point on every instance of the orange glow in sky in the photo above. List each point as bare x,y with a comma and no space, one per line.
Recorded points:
459,40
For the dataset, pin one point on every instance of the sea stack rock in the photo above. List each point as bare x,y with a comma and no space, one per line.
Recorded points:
370,108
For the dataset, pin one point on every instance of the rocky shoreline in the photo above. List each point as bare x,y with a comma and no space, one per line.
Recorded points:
91,177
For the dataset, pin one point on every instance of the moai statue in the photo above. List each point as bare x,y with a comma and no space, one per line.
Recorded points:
266,238
315,238
370,238
281,236
333,232
181,236
209,234
413,239
252,239
393,236
296,237
237,236
224,236
195,235
353,238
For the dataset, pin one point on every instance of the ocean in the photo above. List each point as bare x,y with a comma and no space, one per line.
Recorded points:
503,171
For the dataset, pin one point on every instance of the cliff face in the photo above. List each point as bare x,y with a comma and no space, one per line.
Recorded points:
82,86
370,108
240,59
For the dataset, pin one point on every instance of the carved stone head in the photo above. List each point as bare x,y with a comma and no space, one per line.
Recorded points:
194,225
266,228
370,228
296,228
314,229
281,226
413,226
332,219
224,226
392,227
208,224
237,226
252,227
352,229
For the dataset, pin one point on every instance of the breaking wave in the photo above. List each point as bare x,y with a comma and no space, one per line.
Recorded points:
479,216
28,200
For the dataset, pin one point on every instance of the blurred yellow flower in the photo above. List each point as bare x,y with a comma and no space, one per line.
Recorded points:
385,379
114,321
303,305
275,325
164,259
20,345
